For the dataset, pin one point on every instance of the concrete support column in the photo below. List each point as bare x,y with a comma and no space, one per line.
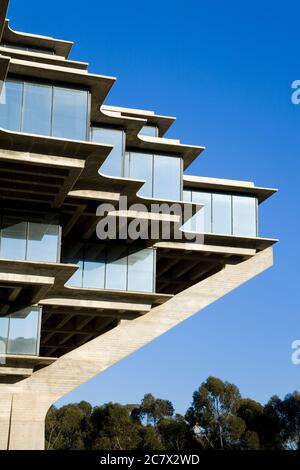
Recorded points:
5,414
22,420
27,421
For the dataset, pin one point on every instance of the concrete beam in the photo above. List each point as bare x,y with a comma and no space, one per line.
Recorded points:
33,396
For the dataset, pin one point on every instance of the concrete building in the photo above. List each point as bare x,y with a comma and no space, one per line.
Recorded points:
73,305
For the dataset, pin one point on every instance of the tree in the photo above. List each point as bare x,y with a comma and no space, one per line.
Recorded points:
213,414
150,439
176,434
67,427
113,428
285,418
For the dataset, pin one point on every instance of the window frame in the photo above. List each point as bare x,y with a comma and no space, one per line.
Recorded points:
60,84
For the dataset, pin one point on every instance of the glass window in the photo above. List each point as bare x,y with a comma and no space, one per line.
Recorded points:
203,198
4,321
151,131
94,266
167,177
141,168
43,240
11,105
73,254
70,113
140,270
244,216
35,240
222,214
113,163
187,195
13,238
37,109
23,333
116,268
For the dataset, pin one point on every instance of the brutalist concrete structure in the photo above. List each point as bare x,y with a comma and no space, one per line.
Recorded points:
73,305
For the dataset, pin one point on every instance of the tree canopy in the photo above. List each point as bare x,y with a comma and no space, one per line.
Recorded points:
218,418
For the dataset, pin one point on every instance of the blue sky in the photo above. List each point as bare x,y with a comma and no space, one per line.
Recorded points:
225,70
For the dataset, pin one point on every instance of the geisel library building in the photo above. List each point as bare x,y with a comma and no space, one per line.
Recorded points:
73,304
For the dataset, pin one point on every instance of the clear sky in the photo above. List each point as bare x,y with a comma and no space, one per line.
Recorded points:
225,70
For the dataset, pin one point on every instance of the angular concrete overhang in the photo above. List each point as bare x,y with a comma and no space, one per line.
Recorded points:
24,283
163,123
99,85
180,265
80,214
43,58
74,315
133,124
256,243
14,368
232,186
59,46
44,169
161,145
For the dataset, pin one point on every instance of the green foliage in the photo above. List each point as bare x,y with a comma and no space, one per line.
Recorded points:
218,418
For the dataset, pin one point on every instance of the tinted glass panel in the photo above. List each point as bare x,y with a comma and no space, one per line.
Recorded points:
140,270
73,254
23,332
43,240
141,167
11,105
37,109
3,334
187,195
13,238
167,177
113,164
244,216
151,131
70,113
116,268
94,266
222,213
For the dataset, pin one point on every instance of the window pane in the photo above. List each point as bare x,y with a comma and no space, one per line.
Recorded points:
3,334
113,164
116,268
140,270
37,108
222,213
70,113
187,195
13,238
73,254
94,266
203,198
23,332
167,177
244,216
10,105
43,240
141,165
151,131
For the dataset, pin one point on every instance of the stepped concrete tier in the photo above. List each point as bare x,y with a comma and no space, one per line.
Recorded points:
77,298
